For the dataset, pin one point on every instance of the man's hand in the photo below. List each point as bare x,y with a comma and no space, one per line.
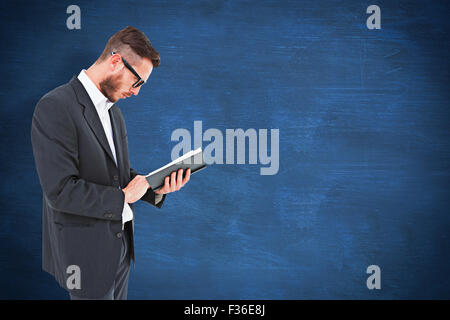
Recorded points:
174,185
135,189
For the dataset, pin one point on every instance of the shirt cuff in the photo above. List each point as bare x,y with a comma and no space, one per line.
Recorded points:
127,213
158,198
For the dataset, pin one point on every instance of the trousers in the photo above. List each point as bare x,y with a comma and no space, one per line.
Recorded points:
119,289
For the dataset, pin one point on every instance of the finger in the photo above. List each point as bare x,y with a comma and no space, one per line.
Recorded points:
187,176
146,182
166,183
172,181
179,178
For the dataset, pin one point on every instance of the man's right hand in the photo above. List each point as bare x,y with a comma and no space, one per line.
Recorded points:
135,189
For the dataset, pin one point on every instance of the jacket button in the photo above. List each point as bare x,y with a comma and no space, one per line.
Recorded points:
119,234
116,177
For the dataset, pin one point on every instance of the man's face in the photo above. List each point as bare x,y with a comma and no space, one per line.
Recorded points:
118,85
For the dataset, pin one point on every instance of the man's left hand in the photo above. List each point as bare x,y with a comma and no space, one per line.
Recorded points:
175,184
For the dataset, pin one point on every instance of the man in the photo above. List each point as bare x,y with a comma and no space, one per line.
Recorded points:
80,148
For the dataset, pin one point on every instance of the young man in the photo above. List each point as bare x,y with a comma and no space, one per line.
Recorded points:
81,152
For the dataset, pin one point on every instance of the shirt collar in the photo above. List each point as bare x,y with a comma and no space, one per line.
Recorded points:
101,103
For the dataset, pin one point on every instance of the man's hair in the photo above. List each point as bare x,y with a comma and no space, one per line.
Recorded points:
134,39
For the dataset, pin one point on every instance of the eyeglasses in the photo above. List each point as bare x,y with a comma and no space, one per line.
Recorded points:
139,81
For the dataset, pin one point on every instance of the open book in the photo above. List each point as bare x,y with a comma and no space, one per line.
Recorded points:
193,159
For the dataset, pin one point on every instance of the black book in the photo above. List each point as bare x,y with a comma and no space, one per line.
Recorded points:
193,160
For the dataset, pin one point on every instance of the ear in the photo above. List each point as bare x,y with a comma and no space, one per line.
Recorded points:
114,63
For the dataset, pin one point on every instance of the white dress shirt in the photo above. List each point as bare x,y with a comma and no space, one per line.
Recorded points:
102,105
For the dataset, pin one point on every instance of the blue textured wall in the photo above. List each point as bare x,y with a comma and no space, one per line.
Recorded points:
364,145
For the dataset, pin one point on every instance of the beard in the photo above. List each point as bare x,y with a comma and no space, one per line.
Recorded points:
109,87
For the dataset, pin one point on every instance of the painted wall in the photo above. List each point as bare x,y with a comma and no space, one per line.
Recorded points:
364,145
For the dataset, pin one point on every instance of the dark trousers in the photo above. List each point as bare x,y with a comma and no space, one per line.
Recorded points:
119,289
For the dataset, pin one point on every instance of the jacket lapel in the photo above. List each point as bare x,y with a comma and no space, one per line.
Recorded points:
91,116
117,135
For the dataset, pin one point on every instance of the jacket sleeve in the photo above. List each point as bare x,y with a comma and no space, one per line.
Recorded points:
150,196
55,149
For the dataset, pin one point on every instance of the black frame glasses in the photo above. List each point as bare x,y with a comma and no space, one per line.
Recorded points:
139,81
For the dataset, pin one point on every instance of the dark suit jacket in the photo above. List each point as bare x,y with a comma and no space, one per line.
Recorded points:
82,200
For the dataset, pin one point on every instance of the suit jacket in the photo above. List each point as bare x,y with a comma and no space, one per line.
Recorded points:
82,200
